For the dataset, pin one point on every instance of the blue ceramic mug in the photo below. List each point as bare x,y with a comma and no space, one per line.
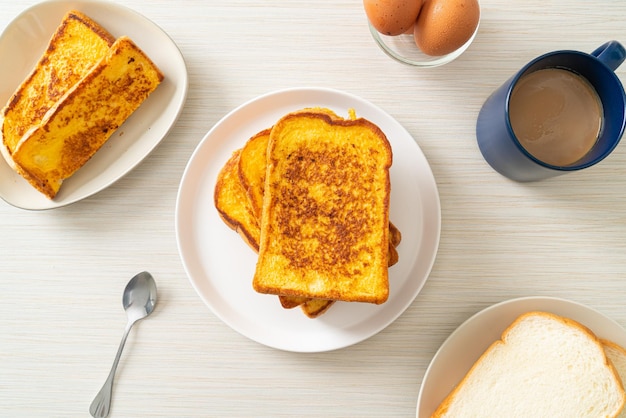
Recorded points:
502,149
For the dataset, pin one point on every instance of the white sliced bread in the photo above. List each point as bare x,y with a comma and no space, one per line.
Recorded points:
543,366
617,355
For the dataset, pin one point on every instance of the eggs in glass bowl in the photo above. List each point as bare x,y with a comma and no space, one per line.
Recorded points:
423,33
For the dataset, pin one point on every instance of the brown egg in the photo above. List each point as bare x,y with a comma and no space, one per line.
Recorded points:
392,17
445,25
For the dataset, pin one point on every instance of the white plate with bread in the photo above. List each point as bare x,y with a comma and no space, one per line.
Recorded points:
24,41
462,349
221,266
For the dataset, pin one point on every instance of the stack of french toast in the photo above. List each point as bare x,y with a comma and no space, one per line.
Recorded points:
311,195
84,86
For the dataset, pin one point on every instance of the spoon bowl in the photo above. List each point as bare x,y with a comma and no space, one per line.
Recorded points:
139,299
139,296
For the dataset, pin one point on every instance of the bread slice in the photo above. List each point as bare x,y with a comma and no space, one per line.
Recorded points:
77,45
325,218
82,120
252,167
232,204
617,355
543,366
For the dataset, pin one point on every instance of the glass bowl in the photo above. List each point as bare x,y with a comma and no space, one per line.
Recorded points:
402,48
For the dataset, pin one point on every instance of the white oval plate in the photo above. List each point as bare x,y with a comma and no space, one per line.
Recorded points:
21,45
220,265
466,344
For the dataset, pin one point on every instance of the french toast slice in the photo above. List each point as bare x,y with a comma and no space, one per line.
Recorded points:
232,204
325,217
252,168
77,45
86,116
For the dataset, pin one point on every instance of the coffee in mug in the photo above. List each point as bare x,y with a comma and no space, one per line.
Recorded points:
562,112
556,115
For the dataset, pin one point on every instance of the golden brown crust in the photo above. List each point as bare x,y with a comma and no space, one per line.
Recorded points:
325,231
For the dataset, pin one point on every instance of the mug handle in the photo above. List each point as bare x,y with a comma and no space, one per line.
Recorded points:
612,54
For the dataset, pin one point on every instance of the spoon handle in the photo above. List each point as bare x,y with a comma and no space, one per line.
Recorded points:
102,402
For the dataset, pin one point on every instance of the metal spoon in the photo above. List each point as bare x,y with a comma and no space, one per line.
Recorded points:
139,299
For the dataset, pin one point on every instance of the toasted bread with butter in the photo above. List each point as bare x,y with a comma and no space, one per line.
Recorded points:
77,45
325,217
86,116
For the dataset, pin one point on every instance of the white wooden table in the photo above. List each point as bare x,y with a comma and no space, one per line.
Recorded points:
63,271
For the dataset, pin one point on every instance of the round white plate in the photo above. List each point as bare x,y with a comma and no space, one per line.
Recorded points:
23,42
465,345
220,265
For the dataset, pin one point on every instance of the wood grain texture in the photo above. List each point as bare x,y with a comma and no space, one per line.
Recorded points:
63,271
